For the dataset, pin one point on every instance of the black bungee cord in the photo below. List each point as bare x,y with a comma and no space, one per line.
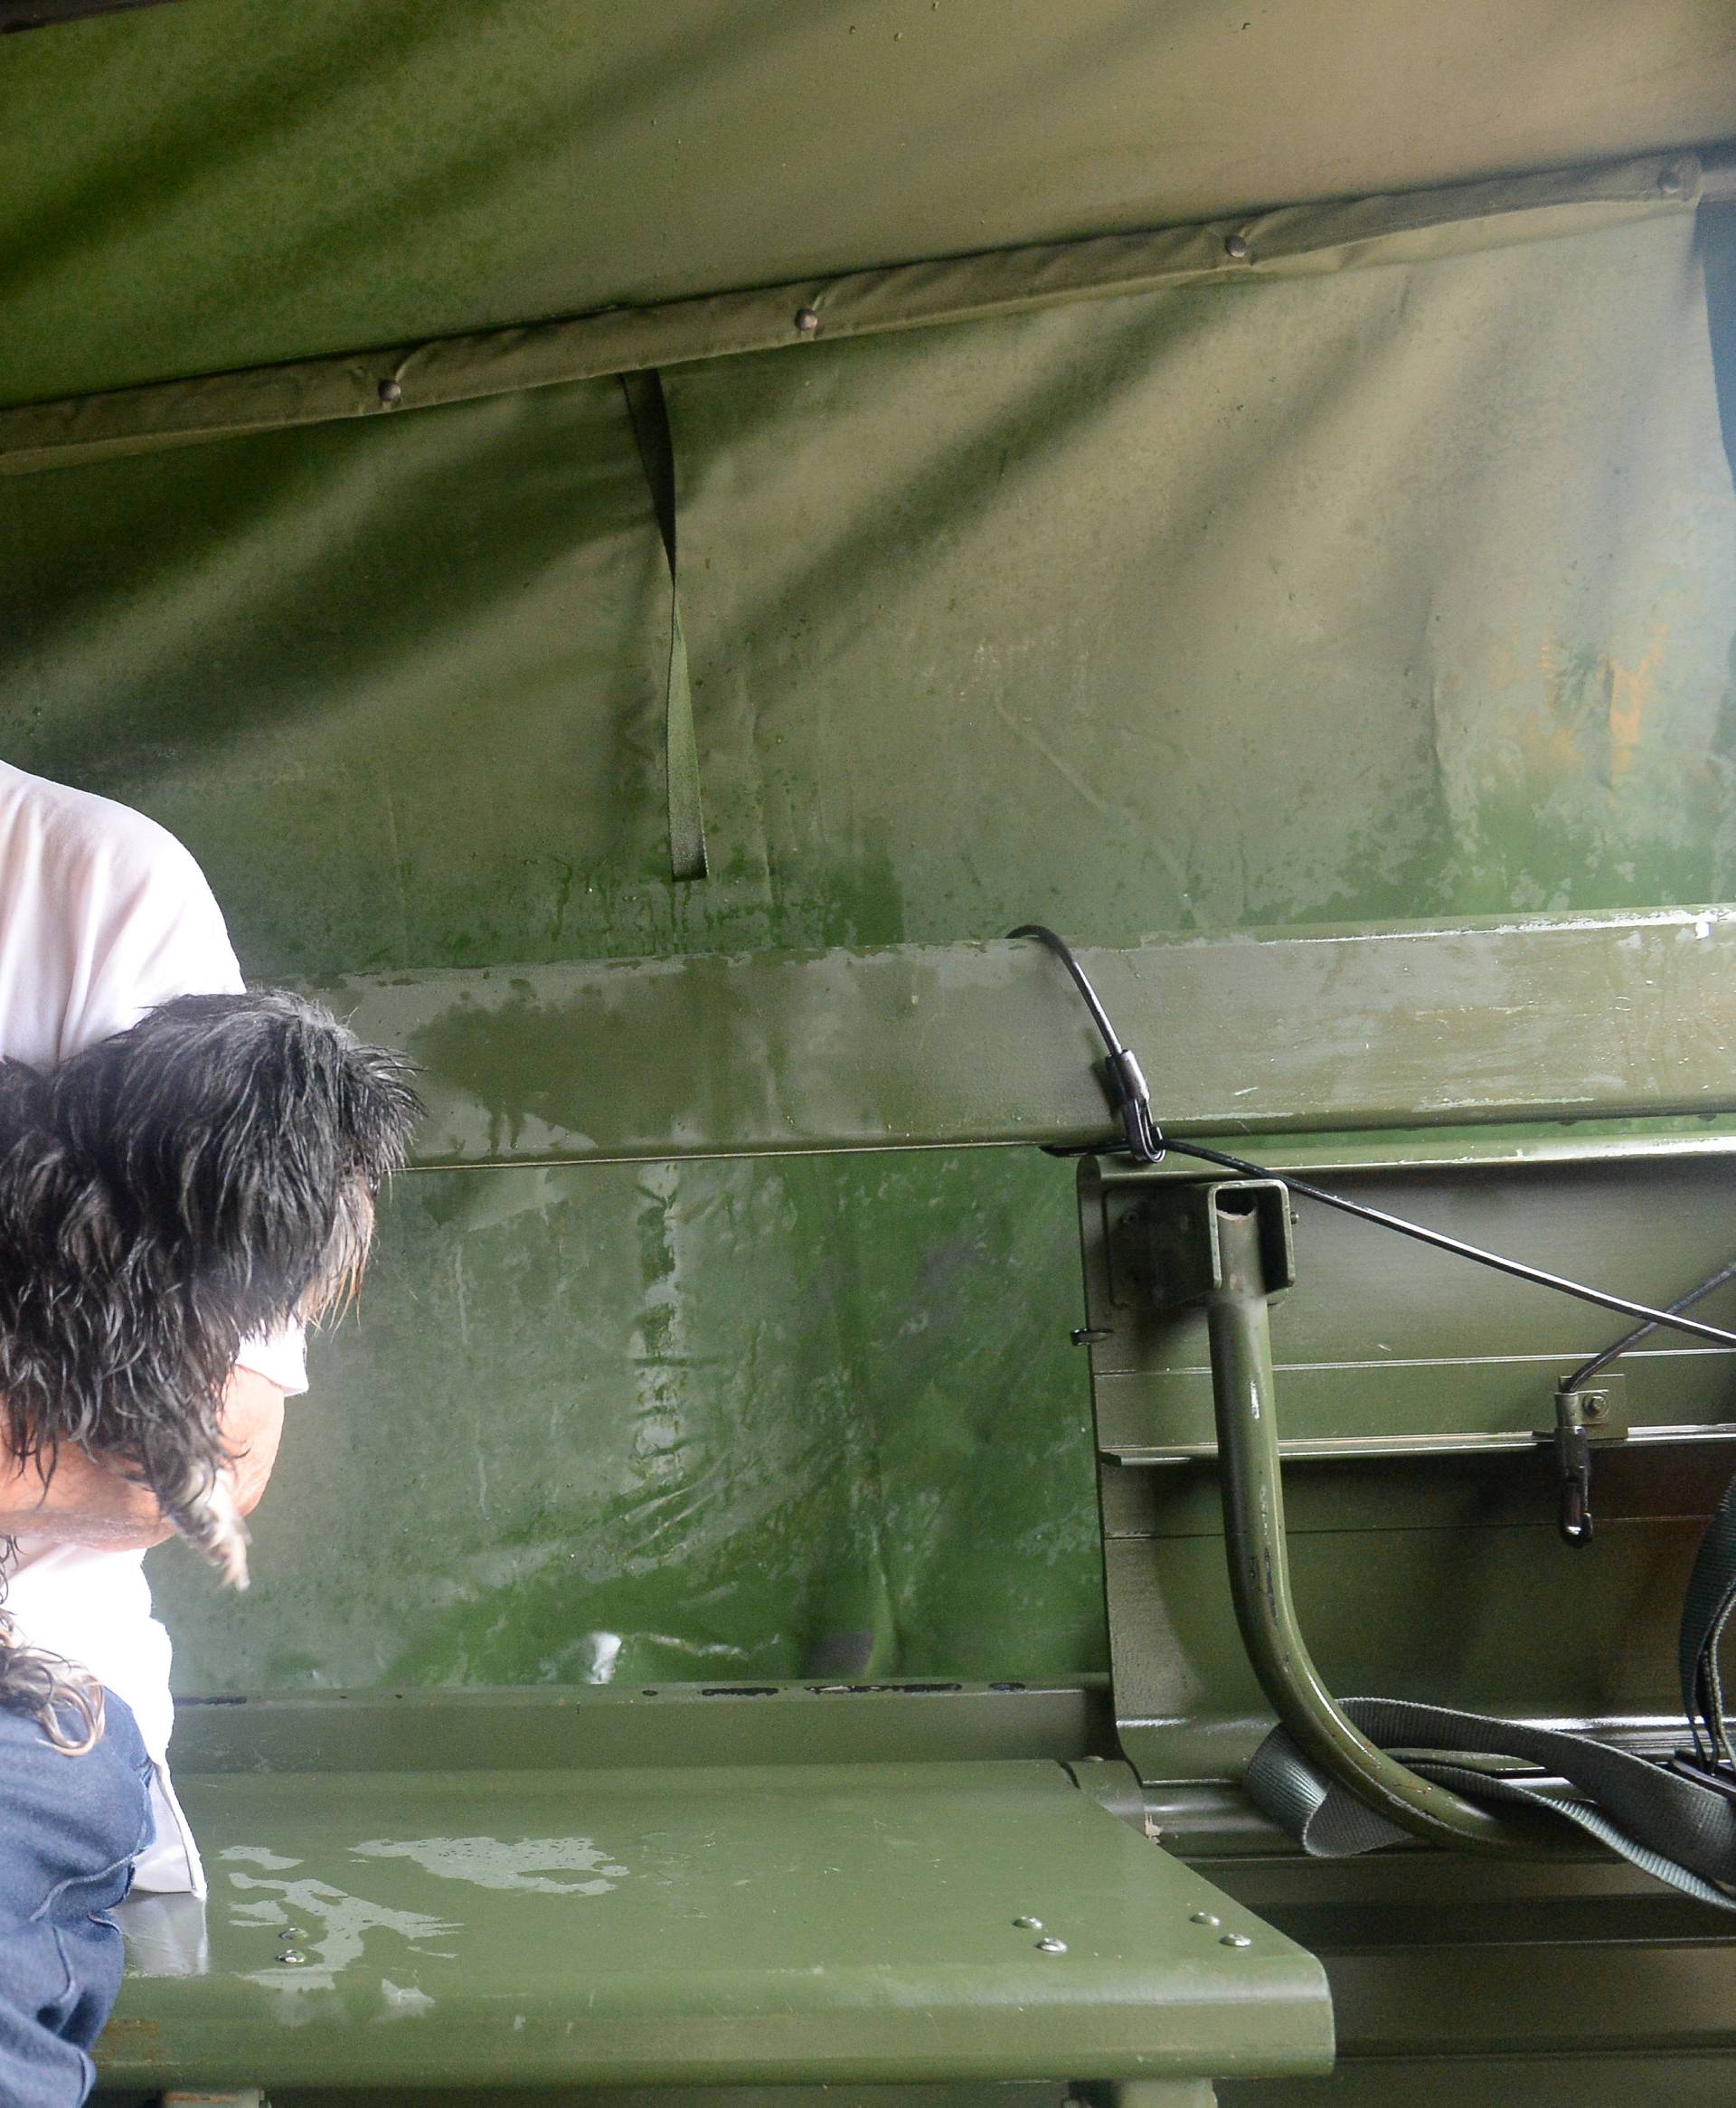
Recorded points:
1586,1371
1147,1143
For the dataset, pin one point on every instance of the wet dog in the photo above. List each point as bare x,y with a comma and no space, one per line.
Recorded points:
207,1176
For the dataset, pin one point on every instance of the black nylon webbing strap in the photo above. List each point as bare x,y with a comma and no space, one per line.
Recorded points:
649,412
1678,1828
1706,1609
1671,1827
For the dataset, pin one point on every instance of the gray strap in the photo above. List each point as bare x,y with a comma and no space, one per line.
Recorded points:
1706,1609
649,412
1671,1827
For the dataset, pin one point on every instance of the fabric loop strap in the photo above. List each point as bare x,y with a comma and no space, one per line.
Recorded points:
1706,1610
649,412
1673,1828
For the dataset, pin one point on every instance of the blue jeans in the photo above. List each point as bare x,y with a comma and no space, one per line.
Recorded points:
70,1829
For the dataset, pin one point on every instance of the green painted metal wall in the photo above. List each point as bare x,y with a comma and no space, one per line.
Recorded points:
1402,591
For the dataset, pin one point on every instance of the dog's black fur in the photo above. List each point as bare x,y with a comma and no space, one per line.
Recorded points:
164,1194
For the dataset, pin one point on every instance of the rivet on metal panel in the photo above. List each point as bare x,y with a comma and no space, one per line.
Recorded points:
1235,1940
1052,1946
1236,248
1029,1924
293,1955
1205,1917
391,392
1670,183
808,320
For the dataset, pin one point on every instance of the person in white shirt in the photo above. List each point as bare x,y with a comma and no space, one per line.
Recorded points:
103,916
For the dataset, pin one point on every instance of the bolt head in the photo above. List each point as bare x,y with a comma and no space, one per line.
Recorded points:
1236,248
391,391
808,320
1670,183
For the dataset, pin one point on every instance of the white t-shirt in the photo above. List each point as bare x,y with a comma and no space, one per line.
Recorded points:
103,914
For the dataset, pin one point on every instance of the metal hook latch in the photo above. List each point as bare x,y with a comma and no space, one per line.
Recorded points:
1573,1462
1582,1417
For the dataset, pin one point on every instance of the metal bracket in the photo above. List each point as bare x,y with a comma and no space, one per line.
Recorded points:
1690,1764
1593,1415
1170,1248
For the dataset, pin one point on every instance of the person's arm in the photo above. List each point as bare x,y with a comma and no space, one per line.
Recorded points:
87,1502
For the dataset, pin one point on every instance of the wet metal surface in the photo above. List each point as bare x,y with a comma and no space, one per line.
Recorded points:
807,1922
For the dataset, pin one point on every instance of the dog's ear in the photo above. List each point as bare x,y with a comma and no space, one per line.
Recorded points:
242,1130
377,1105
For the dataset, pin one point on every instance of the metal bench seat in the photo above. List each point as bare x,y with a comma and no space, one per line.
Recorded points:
800,1922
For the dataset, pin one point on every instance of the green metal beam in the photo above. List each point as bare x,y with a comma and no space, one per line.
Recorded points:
593,1728
915,1046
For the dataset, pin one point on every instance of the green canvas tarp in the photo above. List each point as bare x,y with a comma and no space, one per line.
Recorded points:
1280,596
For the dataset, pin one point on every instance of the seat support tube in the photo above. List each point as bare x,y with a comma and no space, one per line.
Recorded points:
1248,1224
